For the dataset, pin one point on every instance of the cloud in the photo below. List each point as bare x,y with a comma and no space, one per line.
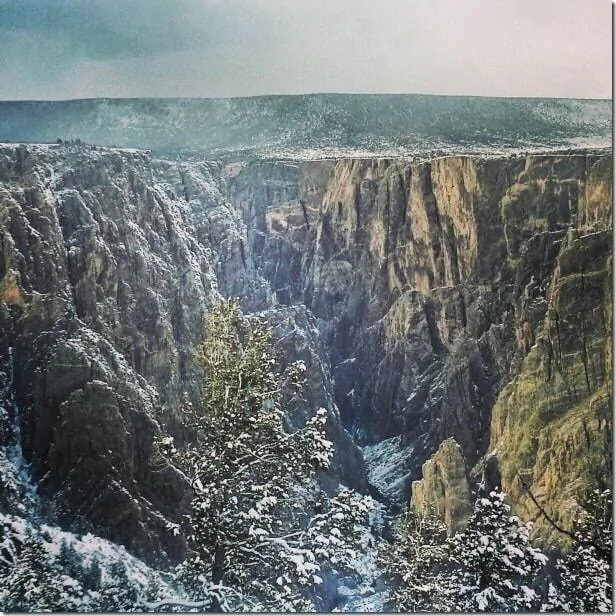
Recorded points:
83,48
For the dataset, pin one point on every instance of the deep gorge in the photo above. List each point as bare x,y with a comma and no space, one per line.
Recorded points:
460,297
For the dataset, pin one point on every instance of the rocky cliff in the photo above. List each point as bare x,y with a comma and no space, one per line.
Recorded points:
434,284
109,263
431,300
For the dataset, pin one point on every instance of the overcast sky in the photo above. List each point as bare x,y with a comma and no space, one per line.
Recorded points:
56,49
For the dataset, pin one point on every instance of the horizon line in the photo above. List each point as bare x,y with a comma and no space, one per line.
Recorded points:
299,95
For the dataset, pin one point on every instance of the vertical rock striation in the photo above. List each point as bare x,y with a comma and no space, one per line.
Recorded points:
109,263
430,281
460,300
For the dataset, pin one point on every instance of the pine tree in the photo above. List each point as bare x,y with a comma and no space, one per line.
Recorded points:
92,575
30,586
417,563
69,561
153,590
118,593
253,540
496,564
586,571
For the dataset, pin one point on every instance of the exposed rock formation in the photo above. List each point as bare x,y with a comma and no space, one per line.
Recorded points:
414,291
102,285
552,425
430,281
444,488
109,262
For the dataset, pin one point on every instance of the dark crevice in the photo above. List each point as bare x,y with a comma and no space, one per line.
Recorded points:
304,211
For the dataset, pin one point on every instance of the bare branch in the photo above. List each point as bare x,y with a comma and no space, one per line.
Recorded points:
573,536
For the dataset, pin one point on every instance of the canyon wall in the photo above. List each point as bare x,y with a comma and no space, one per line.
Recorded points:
437,286
462,299
109,263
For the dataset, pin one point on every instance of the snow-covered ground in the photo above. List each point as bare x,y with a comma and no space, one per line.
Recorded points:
367,591
88,547
22,518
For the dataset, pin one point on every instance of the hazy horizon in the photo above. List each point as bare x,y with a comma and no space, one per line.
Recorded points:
298,94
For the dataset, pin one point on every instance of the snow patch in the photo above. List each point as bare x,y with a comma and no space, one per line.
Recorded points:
387,464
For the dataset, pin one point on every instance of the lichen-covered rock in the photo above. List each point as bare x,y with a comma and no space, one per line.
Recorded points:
552,425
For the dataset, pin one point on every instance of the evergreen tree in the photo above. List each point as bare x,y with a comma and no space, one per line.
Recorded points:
118,593
30,585
69,561
10,546
252,538
496,565
153,590
92,575
586,571
417,564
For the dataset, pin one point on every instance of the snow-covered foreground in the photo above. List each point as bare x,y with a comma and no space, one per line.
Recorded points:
66,559
25,527
88,547
357,589
366,591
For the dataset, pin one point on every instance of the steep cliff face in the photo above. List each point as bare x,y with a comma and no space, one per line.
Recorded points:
430,281
434,301
552,425
102,289
444,489
109,263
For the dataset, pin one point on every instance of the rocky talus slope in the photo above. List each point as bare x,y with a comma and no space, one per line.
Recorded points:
463,300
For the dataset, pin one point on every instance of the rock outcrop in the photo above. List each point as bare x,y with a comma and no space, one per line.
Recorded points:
552,425
444,488
430,281
109,263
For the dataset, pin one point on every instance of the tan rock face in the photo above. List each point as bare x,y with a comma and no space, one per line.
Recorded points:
10,289
431,282
552,425
444,489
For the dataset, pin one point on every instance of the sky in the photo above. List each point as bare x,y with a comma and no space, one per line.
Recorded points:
62,49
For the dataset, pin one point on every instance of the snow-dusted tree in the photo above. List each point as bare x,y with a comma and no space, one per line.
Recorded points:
30,584
255,534
417,563
586,571
118,593
92,575
496,565
69,561
153,589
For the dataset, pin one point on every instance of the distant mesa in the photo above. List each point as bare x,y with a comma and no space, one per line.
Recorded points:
314,126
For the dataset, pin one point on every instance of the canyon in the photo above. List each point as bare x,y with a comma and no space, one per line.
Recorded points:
454,314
